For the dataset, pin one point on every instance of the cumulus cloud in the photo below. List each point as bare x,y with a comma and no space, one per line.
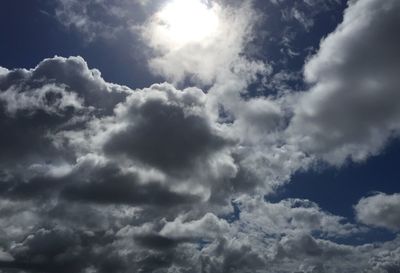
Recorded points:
56,84
352,108
380,210
293,216
165,128
57,95
35,105
138,179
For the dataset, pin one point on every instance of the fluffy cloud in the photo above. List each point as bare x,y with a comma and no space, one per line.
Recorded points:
138,179
87,136
35,105
56,84
58,95
380,210
352,107
292,216
165,128
209,226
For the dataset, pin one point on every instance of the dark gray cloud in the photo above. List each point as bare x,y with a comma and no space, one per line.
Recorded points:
59,94
172,131
25,136
164,136
158,242
36,187
108,185
47,251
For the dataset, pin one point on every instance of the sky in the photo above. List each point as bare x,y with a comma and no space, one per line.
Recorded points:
199,136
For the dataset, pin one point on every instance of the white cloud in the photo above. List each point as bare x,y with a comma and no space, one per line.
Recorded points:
292,216
208,227
380,210
352,108
32,101
3,70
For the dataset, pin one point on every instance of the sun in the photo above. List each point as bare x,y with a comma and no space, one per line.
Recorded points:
183,22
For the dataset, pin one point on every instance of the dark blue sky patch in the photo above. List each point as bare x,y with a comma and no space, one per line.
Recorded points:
338,190
30,33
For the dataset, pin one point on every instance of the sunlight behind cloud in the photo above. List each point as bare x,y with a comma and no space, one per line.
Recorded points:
198,39
182,22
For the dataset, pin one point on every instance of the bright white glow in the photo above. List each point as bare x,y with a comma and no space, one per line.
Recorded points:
182,22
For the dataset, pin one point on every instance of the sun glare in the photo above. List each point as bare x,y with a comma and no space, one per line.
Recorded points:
188,21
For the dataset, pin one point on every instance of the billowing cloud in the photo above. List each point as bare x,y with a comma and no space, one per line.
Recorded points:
35,105
293,216
165,128
140,179
352,107
380,210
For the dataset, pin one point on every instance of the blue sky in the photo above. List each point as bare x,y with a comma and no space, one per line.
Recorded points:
199,136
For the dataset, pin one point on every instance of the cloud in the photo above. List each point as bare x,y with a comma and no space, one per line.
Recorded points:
36,103
78,126
157,242
209,226
304,246
96,19
3,70
204,61
59,95
380,210
5,257
293,216
351,110
166,128
109,185
146,31
58,83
